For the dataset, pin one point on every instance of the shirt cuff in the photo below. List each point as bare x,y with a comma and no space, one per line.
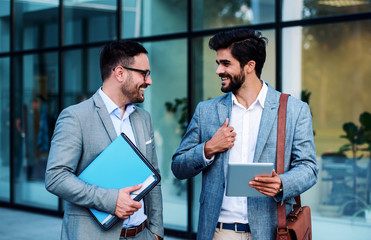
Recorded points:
207,161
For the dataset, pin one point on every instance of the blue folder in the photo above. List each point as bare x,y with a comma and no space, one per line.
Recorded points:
120,165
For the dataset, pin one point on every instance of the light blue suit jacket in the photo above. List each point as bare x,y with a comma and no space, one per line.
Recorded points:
300,161
81,133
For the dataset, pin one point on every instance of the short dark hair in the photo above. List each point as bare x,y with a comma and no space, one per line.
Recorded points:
245,45
120,52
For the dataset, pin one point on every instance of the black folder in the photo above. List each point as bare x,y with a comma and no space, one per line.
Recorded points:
120,165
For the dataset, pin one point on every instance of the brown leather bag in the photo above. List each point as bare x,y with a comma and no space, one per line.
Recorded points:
298,224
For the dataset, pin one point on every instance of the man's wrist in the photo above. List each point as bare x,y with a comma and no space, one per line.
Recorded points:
208,150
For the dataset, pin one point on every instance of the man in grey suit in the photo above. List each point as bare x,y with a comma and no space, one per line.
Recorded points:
84,130
241,127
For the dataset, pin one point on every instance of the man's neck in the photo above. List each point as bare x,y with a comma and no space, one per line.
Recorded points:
116,97
249,91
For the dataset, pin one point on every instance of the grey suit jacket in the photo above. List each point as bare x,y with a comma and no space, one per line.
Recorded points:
300,161
81,133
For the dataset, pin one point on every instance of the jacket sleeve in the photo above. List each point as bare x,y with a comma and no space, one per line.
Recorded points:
188,159
64,158
155,196
302,171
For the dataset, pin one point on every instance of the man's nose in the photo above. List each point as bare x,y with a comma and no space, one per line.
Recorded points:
220,69
148,80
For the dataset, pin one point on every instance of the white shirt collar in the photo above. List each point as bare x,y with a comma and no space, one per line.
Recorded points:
111,106
260,99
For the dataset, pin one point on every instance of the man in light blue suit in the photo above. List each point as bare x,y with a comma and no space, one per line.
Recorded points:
84,130
241,126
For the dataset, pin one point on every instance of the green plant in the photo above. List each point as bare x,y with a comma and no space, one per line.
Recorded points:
365,132
358,142
182,105
305,97
357,137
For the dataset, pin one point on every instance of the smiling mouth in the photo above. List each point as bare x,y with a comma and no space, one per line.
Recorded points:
224,80
143,87
224,77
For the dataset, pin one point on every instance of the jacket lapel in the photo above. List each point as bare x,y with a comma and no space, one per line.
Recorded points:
104,116
137,126
267,121
224,108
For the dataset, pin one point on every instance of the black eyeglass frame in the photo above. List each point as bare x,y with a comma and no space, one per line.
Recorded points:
145,72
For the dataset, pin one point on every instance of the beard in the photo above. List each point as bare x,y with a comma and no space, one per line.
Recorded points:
235,82
133,93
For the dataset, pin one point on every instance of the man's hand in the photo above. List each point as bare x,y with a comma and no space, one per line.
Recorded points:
269,186
157,237
125,206
222,140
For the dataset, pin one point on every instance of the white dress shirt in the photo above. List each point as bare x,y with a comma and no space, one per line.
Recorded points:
123,125
246,125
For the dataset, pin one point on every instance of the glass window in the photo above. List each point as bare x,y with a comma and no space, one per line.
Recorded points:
304,9
36,111
329,65
81,75
153,18
4,25
36,24
89,21
227,13
166,100
4,130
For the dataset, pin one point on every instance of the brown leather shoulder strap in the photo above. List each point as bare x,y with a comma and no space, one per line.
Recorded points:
281,132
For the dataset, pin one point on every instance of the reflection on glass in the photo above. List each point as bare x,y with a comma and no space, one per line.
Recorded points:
226,13
81,75
4,130
36,24
169,76
4,25
146,18
36,111
333,62
303,9
89,21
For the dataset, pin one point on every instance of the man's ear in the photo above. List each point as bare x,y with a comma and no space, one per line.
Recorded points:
119,74
250,66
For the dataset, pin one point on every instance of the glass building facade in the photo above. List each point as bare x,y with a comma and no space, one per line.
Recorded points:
319,51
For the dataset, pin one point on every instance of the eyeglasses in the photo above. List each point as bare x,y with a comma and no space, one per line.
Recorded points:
146,73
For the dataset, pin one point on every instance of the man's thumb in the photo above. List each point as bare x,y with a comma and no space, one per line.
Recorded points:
226,123
133,188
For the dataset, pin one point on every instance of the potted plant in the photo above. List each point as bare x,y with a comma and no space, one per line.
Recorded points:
360,140
341,170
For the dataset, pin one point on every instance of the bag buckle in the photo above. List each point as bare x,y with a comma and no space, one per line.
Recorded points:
278,230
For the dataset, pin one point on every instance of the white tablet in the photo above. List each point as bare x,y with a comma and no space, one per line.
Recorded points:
239,175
